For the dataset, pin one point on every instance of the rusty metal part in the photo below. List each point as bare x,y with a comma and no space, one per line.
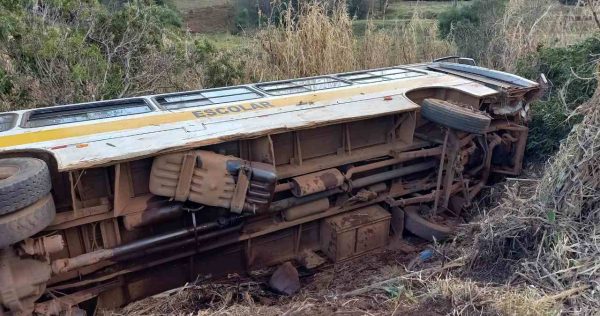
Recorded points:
261,187
504,125
392,174
353,233
403,157
179,243
487,167
404,188
306,209
241,188
161,249
399,158
450,168
294,201
65,303
68,264
284,186
22,281
153,215
416,224
43,246
212,180
317,182
210,183
356,184
441,169
378,188
186,173
425,198
519,151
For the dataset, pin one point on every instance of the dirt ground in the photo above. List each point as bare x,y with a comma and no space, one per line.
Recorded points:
325,290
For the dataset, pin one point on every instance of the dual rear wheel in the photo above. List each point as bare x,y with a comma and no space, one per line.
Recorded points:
26,205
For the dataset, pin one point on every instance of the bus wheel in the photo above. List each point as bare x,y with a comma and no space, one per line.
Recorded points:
23,181
416,224
454,116
26,222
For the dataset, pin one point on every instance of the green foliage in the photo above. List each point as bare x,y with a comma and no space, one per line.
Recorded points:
6,85
82,50
359,8
472,26
570,70
220,69
464,15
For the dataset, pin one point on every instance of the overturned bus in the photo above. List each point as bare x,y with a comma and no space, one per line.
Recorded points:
113,201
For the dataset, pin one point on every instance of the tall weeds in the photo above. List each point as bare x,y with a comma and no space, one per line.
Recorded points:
315,39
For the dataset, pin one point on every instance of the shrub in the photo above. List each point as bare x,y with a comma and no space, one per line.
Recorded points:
66,51
472,27
571,72
219,68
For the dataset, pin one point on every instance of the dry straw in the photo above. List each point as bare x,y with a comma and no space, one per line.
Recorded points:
554,235
315,39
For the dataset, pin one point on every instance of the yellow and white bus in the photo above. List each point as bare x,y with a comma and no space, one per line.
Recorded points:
113,201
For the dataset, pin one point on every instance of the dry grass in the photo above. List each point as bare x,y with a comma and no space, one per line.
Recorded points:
553,235
320,40
529,24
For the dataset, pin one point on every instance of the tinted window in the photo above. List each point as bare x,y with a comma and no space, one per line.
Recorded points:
370,76
301,85
86,112
201,98
7,121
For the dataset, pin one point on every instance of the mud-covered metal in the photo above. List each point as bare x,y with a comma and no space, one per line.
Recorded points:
317,182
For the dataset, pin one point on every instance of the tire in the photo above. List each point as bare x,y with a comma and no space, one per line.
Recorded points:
27,222
414,223
23,181
454,116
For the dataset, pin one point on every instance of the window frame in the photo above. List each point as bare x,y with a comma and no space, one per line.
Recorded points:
84,108
260,86
156,98
342,76
13,122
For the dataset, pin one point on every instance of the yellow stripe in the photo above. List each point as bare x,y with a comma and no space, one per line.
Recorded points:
132,123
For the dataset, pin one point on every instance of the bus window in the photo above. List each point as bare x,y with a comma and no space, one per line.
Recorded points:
7,121
85,112
379,75
176,101
301,85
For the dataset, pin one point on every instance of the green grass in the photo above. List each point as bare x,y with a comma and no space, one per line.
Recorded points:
427,9
186,5
226,41
400,12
